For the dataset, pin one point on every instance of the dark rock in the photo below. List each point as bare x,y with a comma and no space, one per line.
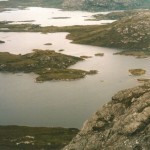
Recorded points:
1,42
122,124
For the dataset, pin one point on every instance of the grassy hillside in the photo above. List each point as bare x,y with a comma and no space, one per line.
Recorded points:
131,33
89,5
101,5
34,138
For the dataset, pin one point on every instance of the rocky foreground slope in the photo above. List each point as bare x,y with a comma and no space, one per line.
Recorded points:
100,5
122,124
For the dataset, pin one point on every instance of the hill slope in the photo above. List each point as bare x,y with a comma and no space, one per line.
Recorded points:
122,124
90,5
99,5
131,33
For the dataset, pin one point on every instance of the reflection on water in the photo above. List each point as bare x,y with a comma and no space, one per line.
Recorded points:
62,103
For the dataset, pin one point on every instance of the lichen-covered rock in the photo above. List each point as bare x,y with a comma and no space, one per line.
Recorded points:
122,124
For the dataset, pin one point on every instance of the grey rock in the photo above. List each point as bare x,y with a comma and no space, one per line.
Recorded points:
121,124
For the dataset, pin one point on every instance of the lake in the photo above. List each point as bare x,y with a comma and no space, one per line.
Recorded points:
62,103
49,16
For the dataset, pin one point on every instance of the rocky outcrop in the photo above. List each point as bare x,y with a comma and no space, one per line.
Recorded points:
122,124
99,5
133,32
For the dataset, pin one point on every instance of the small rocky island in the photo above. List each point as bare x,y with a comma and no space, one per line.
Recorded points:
130,33
137,72
121,124
99,54
49,65
116,15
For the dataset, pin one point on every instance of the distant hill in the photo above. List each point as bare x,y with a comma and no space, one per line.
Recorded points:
31,3
89,5
100,5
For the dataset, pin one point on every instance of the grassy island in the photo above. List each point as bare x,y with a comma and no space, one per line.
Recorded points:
99,54
35,138
130,33
137,72
137,54
49,65
116,15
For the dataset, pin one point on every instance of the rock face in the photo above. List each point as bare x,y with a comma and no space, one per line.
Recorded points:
104,4
122,124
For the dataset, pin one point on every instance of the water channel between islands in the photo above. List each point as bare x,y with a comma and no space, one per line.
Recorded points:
60,103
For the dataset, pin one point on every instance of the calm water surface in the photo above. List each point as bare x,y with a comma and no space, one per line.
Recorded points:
50,16
60,103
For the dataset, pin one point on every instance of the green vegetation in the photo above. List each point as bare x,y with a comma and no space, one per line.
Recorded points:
99,54
49,65
138,54
61,74
35,138
131,33
143,80
85,57
61,50
137,72
48,29
104,5
92,72
60,17
48,44
30,3
90,5
114,15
